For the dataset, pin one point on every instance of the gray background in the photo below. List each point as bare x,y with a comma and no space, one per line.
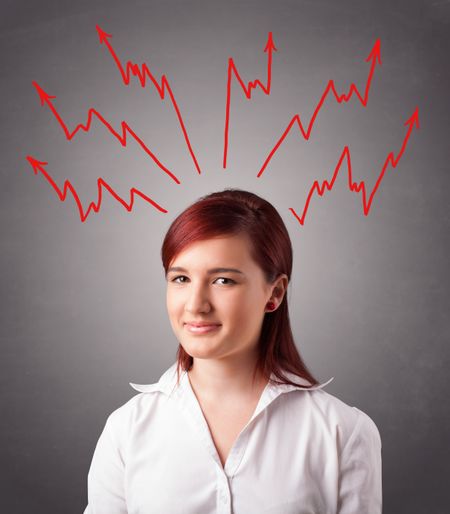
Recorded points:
83,304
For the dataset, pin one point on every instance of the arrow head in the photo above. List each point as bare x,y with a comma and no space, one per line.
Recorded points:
375,52
414,119
45,97
270,44
102,35
37,165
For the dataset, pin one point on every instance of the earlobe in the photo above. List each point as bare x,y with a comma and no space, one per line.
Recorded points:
270,306
278,293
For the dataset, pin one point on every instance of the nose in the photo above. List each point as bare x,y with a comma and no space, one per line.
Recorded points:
197,301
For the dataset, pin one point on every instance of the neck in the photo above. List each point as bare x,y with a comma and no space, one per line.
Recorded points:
229,378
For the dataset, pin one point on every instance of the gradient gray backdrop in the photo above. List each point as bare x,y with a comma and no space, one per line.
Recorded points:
83,304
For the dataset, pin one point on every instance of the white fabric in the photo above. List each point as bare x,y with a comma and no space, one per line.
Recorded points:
302,452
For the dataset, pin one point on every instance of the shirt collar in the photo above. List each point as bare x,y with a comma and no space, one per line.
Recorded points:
168,383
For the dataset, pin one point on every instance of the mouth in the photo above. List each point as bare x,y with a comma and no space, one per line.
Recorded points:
201,328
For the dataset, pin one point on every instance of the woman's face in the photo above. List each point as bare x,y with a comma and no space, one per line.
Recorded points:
216,282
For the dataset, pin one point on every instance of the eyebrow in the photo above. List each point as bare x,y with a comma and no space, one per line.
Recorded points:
209,272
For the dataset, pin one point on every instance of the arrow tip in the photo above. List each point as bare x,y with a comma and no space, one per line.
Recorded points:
102,35
414,119
45,97
37,165
375,53
270,45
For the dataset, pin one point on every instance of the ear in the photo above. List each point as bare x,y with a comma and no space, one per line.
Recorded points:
279,288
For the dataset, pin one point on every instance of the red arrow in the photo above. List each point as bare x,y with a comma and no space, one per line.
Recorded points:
354,186
39,167
142,74
374,57
269,49
102,35
122,138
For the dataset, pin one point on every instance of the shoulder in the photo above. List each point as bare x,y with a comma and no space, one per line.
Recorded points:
142,407
121,421
349,424
355,427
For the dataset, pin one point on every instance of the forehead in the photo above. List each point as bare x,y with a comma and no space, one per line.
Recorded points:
216,251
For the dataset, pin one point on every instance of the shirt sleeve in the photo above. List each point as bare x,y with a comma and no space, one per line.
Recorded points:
360,486
106,493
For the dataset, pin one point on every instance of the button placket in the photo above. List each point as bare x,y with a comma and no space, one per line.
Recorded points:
223,493
191,407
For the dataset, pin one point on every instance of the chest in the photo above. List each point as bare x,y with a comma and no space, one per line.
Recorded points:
225,421
271,469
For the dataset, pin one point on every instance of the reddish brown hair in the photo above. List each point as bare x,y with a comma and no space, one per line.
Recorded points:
231,212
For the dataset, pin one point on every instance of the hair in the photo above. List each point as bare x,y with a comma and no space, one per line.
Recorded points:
232,212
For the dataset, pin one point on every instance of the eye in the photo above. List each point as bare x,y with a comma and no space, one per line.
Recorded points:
177,281
230,281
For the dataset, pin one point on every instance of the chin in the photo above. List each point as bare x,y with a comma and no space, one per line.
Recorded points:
197,350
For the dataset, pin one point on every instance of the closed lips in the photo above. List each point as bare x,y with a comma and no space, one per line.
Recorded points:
203,324
204,328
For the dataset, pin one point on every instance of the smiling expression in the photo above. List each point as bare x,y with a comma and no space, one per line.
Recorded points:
216,298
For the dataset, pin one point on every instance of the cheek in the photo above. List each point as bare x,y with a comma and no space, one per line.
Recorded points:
246,309
173,303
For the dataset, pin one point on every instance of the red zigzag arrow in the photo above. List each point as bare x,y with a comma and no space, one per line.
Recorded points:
122,138
354,186
374,56
38,167
142,74
269,48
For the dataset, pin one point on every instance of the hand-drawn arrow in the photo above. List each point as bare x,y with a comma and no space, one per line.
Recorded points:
412,122
46,99
269,49
142,74
39,167
374,57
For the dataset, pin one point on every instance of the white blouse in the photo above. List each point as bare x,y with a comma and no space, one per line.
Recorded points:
302,452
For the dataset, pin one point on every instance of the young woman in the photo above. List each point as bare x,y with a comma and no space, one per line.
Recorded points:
238,424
